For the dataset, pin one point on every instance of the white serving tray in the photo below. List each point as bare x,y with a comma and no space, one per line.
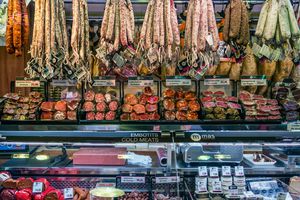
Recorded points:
249,159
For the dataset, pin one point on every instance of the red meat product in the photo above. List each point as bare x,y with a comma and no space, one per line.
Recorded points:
261,117
139,109
89,95
148,91
59,115
111,115
134,116
245,95
144,116
169,104
250,108
220,99
24,100
101,106
209,104
207,99
194,106
42,195
61,106
143,99
170,115
24,194
99,116
71,115
274,117
263,108
179,94
54,195
8,194
192,115
47,116
234,105
190,96
154,116
182,105
251,113
169,93
131,99
125,116
257,97
153,99
99,97
181,115
219,94
248,103
72,105
47,106
221,104
260,113
90,116
275,112
113,106
273,102
207,93
250,118
151,107
88,106
127,108
273,108
232,99
23,183
261,102
10,184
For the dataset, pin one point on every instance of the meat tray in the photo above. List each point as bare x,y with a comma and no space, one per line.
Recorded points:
249,158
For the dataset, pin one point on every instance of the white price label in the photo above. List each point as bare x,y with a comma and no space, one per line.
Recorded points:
239,171
104,83
239,181
213,172
100,184
141,83
37,187
4,177
202,171
233,190
201,184
253,82
217,81
167,179
63,83
178,82
27,83
132,179
294,127
226,171
68,193
217,186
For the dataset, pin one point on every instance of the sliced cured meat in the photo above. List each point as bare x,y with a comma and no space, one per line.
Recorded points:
250,108
207,93
113,106
263,108
181,115
234,105
274,117
143,99
209,104
260,113
111,115
273,102
182,105
24,100
71,115
194,106
261,102
190,96
169,104
220,99
108,97
148,91
272,108
179,94
261,117
154,116
153,99
206,99
46,116
257,97
125,116
219,94
139,109
232,99
245,95
144,116
169,93
72,105
275,112
131,99
90,116
61,106
59,115
222,104
192,115
101,106
250,118
151,107
47,106
134,116
169,115
89,95
88,106
127,108
99,116
99,97
248,103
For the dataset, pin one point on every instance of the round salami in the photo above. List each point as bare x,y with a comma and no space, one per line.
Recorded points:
71,115
134,116
169,115
151,107
99,97
111,115
101,106
90,116
113,106
89,95
99,116
88,106
169,104
181,115
139,109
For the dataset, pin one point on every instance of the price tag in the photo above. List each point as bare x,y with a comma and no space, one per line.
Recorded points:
201,184
4,177
216,80
63,83
294,127
37,187
233,190
213,172
167,179
226,171
27,83
217,186
68,193
210,40
253,81
101,184
132,179
239,171
140,81
202,171
178,81
104,82
239,181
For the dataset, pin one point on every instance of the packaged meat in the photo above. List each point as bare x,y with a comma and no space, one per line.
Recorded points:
99,97
139,109
182,105
8,194
54,195
90,116
130,99
127,108
10,184
192,115
88,106
169,93
134,116
71,115
24,183
113,106
24,194
46,116
89,95
153,99
101,106
72,105
144,116
169,104
59,115
47,106
181,115
60,106
151,107
154,116
110,115
190,96
194,106
143,99
125,117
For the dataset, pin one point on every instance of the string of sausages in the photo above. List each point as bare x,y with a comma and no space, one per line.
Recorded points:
17,31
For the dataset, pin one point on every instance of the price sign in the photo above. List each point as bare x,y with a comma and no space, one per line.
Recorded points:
213,172
233,190
105,81
167,179
202,171
239,171
226,171
216,80
178,81
253,81
68,193
217,186
27,83
201,184
132,179
294,127
103,184
140,81
37,187
63,83
4,177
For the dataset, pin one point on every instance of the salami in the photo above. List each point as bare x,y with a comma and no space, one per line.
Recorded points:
17,27
9,28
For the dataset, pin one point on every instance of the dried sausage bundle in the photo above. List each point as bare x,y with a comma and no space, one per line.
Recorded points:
17,31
